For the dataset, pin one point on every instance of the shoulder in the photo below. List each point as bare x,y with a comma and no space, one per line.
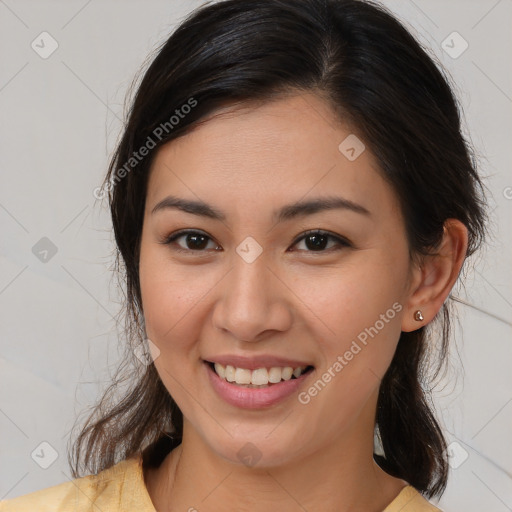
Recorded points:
410,500
120,487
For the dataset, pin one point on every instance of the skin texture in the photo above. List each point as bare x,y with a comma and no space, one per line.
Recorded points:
292,301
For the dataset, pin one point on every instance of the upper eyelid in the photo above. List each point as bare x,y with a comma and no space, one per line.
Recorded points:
323,232
338,238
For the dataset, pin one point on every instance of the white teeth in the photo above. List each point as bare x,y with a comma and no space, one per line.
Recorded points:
221,371
259,377
274,375
230,373
242,376
287,372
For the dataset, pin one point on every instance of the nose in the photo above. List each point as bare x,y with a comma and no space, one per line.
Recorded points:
252,301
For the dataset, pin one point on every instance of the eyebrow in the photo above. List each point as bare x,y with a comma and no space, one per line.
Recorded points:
290,211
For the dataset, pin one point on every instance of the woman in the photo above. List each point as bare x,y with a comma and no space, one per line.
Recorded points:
292,201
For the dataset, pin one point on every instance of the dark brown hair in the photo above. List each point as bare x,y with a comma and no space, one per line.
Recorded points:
375,76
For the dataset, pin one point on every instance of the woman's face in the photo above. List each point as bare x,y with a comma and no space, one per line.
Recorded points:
251,290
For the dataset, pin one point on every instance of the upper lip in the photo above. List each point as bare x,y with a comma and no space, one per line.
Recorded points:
255,362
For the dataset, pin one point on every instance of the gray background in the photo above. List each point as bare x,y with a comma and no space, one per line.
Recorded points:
60,119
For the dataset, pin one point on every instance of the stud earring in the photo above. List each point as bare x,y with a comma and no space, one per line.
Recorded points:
418,316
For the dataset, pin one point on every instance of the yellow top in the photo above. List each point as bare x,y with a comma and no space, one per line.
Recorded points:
121,488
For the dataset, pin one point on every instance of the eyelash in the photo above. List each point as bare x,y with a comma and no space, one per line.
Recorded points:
342,242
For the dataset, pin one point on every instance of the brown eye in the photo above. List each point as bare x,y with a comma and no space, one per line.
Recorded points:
317,241
314,241
192,241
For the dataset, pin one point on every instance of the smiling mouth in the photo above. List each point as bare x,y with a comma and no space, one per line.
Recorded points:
259,378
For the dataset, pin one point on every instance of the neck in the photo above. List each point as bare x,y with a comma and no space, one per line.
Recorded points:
340,476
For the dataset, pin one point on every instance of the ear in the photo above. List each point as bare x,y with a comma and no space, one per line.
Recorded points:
433,278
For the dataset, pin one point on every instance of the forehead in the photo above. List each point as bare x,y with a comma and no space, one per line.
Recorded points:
273,152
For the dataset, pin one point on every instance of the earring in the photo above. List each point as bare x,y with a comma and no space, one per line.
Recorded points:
418,316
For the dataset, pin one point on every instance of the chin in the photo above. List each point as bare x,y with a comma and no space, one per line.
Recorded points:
256,450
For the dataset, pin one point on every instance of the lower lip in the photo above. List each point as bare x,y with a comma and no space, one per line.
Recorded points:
253,398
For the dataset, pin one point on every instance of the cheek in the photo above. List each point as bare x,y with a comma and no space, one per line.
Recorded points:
357,314
346,301
167,297
171,299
